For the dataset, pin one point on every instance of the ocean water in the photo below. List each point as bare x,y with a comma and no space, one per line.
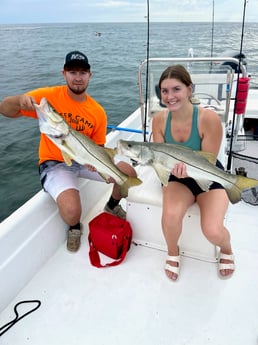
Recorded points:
32,56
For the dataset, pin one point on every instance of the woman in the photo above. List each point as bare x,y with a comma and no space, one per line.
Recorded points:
199,129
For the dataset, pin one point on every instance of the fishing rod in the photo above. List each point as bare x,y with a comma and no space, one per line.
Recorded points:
144,129
238,73
147,73
212,35
212,29
144,120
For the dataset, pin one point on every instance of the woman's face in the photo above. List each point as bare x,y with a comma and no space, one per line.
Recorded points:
174,93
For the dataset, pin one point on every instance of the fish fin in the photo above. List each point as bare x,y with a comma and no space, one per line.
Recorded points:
131,181
163,174
67,158
111,152
234,194
208,155
242,183
105,177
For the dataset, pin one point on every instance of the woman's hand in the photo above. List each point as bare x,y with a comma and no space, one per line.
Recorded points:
179,170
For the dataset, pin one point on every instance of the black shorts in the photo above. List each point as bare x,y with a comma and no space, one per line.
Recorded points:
193,185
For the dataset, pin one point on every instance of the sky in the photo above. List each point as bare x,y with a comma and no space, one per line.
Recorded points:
90,11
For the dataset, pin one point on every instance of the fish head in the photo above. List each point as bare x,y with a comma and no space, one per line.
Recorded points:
137,151
50,122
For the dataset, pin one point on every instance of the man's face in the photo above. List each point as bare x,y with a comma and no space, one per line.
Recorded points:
77,79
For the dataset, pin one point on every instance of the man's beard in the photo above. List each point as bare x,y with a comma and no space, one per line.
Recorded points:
77,91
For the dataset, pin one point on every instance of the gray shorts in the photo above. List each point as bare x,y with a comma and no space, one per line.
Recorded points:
57,177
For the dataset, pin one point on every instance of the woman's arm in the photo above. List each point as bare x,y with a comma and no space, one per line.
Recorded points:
210,131
158,127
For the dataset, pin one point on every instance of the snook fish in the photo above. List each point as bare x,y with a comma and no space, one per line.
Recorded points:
200,165
81,148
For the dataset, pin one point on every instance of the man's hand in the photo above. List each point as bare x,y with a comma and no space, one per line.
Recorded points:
27,102
90,167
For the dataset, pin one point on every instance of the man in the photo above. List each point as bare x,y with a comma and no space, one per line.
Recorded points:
83,114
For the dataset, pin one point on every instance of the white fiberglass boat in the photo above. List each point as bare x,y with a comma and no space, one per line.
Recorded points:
135,303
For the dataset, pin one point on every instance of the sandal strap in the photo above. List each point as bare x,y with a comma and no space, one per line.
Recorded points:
229,265
227,256
173,258
226,266
170,268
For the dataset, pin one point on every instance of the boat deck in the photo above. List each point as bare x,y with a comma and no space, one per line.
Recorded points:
135,303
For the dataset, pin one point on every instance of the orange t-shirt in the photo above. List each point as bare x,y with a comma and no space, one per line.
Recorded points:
87,117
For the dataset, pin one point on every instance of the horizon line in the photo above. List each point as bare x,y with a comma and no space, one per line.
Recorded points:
124,22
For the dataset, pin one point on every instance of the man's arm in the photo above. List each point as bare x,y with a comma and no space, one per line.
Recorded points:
11,106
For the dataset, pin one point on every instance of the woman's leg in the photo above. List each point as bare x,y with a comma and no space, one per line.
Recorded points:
176,200
213,207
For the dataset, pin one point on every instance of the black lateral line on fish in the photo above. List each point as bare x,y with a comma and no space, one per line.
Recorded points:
197,167
95,157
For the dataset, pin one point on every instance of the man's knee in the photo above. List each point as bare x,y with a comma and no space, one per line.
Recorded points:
69,204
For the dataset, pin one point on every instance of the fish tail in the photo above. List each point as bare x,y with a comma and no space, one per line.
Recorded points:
246,182
242,183
131,181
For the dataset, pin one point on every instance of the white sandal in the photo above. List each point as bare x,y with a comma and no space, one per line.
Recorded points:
173,269
228,266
